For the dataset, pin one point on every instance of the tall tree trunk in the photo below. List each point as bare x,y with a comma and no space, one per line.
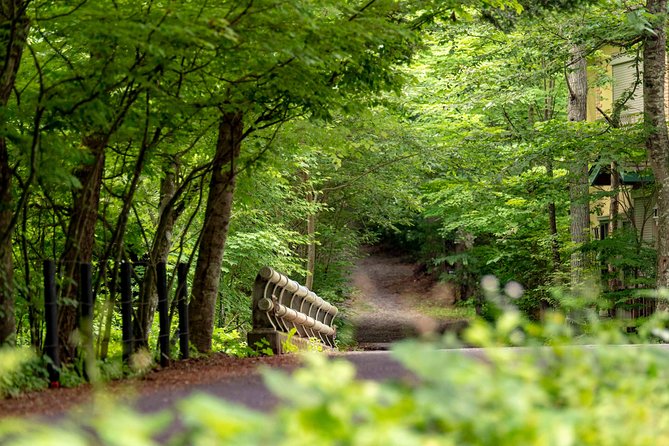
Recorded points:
577,82
464,242
311,248
215,231
80,241
14,27
614,223
311,232
162,244
552,223
549,105
657,137
7,322
547,115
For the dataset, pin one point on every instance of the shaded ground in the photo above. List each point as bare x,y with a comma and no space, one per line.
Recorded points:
396,300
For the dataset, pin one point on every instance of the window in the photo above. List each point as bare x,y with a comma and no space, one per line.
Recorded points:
603,230
624,70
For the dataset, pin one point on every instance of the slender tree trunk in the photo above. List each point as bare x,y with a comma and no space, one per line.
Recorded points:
555,245
547,115
577,82
14,27
34,321
549,105
80,241
657,137
464,242
311,248
162,244
215,231
115,249
552,223
614,224
311,233
614,205
7,322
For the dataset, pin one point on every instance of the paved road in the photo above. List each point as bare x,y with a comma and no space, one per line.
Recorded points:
250,391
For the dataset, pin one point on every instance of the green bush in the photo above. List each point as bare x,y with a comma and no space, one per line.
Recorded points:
231,342
21,371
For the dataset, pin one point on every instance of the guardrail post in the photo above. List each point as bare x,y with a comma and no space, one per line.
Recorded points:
163,315
126,311
51,322
182,295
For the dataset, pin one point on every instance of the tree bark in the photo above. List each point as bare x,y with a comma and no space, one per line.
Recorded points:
464,242
162,244
80,241
311,248
657,137
552,223
579,207
547,115
7,320
15,26
614,281
215,230
311,233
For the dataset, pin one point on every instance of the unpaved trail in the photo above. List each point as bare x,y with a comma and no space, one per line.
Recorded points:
389,295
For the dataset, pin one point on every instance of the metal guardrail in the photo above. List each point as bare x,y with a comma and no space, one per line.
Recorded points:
281,304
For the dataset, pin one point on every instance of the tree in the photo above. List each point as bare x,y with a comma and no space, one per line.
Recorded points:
577,83
657,139
506,127
215,230
14,28
132,126
272,79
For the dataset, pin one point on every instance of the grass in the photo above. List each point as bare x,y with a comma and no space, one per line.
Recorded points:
447,313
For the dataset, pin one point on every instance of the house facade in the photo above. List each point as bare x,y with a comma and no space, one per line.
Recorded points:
629,185
623,191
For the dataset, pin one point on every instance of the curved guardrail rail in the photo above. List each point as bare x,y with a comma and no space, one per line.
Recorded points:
281,304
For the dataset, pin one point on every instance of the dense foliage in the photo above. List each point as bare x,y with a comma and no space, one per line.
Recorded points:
492,101
234,135
128,128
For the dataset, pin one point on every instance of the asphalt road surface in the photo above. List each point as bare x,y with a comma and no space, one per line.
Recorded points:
250,391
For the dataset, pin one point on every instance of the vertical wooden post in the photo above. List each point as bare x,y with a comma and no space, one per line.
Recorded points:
51,321
86,317
126,311
163,310
86,299
182,293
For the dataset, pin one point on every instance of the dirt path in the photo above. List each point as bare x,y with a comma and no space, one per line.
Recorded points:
393,301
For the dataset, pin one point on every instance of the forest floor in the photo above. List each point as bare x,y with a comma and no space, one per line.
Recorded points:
393,299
